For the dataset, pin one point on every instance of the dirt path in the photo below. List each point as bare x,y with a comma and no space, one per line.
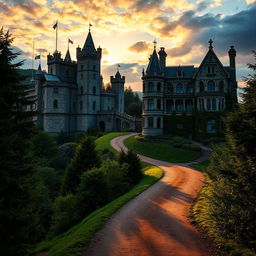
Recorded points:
155,222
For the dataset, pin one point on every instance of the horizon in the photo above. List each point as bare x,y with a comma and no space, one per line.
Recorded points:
126,34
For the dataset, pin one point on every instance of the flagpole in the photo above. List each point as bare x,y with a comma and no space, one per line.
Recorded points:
56,36
33,57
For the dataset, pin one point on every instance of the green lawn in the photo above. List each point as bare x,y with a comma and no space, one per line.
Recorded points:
201,166
71,242
161,151
103,142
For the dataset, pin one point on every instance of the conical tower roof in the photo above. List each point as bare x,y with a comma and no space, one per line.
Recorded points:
39,70
67,57
89,44
154,67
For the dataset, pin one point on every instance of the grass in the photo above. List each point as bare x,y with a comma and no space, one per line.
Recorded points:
161,151
71,242
103,142
202,166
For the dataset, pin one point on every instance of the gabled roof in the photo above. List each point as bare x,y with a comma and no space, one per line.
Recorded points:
171,72
154,67
67,57
89,44
211,52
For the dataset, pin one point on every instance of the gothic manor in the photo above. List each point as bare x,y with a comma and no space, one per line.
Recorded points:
188,100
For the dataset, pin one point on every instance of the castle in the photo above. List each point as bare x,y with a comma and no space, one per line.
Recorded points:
188,100
71,98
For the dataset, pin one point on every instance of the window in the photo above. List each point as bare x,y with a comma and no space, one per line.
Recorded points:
210,86
213,104
150,87
150,104
55,90
189,106
179,88
211,126
94,105
81,90
150,122
179,106
158,122
94,67
201,104
158,104
169,105
179,73
208,104
81,75
221,86
94,90
81,105
82,67
211,69
55,104
189,88
201,86
169,88
158,87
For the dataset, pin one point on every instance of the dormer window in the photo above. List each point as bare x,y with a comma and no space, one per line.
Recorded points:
179,73
211,69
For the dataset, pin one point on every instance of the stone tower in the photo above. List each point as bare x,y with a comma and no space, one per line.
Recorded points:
89,83
117,83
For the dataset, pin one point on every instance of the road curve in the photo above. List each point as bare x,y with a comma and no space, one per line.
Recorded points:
155,222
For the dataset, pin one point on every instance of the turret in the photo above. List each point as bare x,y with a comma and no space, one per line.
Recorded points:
117,83
162,56
154,68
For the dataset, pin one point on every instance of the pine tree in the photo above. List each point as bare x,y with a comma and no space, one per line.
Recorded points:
17,202
85,158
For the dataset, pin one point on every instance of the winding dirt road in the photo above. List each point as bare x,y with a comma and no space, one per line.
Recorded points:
155,222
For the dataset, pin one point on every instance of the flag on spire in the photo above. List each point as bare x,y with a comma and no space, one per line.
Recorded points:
38,57
55,25
70,41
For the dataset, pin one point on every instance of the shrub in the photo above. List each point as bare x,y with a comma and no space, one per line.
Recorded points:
192,147
134,173
63,137
65,154
85,158
63,214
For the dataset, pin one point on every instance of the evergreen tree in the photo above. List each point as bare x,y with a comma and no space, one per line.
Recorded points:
17,197
85,158
132,103
232,170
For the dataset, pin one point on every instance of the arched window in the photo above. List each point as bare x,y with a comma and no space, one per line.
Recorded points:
211,126
150,104
55,104
201,86
94,90
150,122
179,106
189,88
158,122
169,105
221,86
94,105
158,87
81,105
81,90
210,86
169,88
150,87
179,88
158,104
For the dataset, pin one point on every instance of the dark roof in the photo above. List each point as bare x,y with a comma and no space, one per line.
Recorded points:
171,72
89,44
154,67
67,57
51,78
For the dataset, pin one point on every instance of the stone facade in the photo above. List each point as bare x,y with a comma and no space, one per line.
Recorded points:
70,96
186,90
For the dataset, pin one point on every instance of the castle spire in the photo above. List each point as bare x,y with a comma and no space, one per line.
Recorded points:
89,44
210,44
154,67
67,57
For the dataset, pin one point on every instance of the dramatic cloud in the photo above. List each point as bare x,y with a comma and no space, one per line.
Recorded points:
140,46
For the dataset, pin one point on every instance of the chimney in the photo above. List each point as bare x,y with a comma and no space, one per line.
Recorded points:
232,62
162,56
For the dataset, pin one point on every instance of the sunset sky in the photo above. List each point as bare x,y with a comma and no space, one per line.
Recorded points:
126,29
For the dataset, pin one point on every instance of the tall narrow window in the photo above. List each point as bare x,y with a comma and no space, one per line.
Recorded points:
150,122
208,104
179,88
169,88
210,86
94,105
158,104
201,86
81,90
55,104
94,90
214,104
211,126
158,122
221,86
158,87
150,87
150,104
81,105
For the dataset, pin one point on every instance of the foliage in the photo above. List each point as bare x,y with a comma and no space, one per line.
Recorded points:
63,137
84,159
134,173
70,243
164,152
18,206
65,154
99,186
132,103
63,214
230,196
202,166
44,148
